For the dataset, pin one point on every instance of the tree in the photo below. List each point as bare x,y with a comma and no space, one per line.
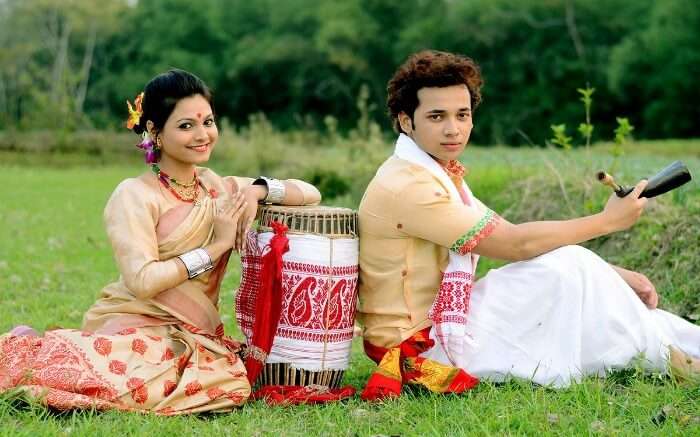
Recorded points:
655,69
46,69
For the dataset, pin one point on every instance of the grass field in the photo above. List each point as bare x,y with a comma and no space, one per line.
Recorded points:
54,259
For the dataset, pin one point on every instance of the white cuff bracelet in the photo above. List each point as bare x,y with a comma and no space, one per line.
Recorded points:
196,261
275,189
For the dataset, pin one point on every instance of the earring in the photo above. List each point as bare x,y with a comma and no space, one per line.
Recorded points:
158,143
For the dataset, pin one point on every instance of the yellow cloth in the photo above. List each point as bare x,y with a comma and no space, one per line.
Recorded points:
407,225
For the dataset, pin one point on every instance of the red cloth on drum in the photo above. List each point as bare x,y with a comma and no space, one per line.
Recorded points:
269,303
316,321
295,394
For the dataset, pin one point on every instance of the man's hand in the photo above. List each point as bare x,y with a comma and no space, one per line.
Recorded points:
641,285
622,213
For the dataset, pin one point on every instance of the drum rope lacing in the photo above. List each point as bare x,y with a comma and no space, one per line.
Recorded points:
329,290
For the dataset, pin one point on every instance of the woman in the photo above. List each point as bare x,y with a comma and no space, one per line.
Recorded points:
154,340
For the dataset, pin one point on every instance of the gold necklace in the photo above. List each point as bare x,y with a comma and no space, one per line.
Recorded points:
185,193
180,184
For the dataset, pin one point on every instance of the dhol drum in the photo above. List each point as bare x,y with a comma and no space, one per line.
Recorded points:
319,292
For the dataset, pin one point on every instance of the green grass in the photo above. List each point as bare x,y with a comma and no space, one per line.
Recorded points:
55,258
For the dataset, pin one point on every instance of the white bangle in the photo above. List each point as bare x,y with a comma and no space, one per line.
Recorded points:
275,189
196,262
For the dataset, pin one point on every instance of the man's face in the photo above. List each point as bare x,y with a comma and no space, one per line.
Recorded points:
442,122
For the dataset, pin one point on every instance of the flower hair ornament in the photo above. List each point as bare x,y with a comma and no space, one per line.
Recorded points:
134,114
147,144
150,147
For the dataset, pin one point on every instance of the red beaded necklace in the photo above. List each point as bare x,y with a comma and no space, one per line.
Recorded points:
168,183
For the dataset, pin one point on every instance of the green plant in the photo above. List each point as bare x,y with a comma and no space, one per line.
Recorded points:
623,130
586,129
560,138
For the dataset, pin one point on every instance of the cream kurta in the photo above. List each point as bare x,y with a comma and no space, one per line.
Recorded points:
408,222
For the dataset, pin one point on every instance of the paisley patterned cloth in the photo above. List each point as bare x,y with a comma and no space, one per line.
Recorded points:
173,373
319,294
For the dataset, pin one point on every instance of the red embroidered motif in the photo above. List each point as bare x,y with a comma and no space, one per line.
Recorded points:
117,367
91,381
215,393
168,354
16,356
59,377
63,401
182,361
168,387
471,243
155,338
133,383
139,346
102,346
452,301
127,331
94,388
193,388
57,370
235,397
61,354
305,305
140,394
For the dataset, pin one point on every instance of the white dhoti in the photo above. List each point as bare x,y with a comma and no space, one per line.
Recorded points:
561,316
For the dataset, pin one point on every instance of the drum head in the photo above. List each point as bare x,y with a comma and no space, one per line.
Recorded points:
332,222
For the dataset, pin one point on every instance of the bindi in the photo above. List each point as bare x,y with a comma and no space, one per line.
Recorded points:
199,115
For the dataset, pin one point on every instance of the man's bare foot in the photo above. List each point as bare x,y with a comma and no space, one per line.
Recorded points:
684,368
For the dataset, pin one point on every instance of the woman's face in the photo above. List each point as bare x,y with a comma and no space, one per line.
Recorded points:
190,132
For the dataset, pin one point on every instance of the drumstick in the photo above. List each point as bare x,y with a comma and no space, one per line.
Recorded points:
608,180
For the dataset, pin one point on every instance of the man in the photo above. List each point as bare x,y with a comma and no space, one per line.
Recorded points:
422,231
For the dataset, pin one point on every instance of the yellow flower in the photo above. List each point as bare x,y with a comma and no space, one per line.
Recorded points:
134,114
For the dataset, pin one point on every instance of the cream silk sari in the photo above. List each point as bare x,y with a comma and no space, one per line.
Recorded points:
142,348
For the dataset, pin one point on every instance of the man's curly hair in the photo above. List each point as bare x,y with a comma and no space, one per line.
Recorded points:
430,68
